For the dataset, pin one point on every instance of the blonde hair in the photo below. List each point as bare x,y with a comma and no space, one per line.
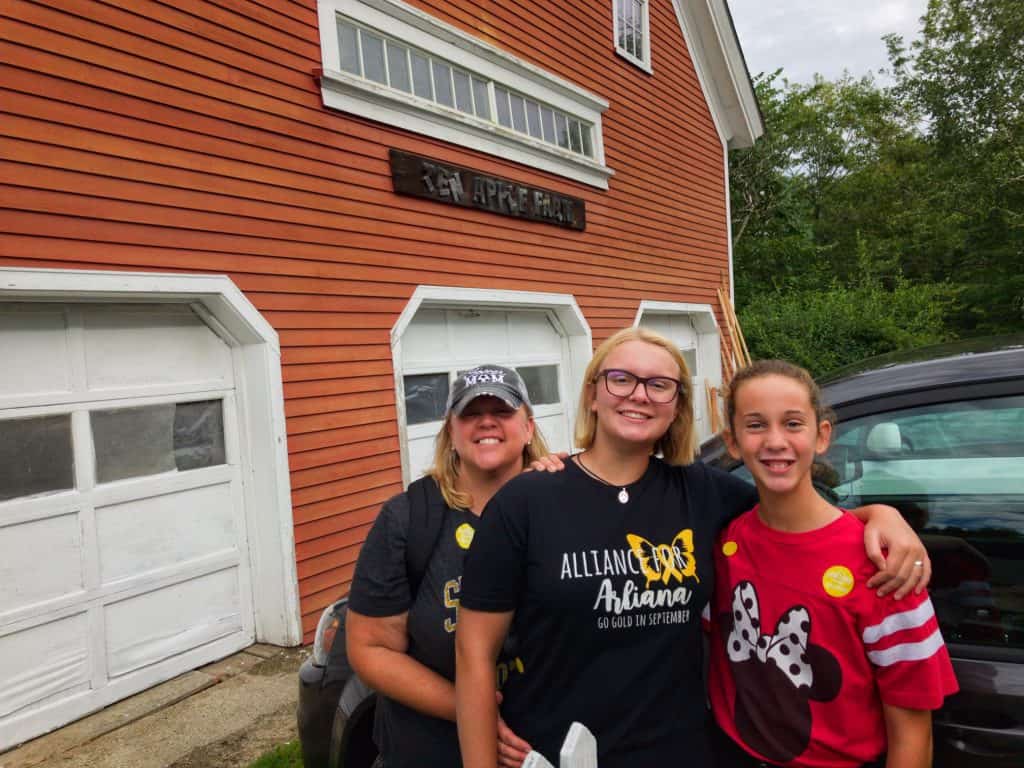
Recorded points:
678,445
445,469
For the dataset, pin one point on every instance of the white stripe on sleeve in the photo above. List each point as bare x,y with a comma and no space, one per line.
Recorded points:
706,613
897,622
907,651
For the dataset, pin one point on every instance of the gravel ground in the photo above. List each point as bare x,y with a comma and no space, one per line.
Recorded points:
224,715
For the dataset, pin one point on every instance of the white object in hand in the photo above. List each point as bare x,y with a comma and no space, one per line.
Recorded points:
579,750
536,760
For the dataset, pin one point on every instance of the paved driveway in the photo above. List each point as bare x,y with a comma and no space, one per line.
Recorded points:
223,715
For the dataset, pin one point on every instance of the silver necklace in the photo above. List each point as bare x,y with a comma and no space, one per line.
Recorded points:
623,493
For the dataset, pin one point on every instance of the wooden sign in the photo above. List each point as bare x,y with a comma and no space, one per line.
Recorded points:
452,184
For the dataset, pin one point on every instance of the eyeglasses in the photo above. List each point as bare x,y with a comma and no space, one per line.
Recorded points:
659,389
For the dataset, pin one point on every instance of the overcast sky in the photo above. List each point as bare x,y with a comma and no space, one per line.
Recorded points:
824,36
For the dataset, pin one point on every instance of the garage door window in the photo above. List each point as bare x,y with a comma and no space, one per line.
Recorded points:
133,442
425,397
35,456
541,383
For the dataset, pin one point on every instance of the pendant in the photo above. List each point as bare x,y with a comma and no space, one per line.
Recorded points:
623,496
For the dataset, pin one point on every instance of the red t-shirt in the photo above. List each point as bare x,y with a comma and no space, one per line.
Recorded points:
803,655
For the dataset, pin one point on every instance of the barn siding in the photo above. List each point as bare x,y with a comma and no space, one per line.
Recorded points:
191,136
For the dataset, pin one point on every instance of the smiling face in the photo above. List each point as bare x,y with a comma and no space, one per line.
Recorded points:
775,432
490,436
635,419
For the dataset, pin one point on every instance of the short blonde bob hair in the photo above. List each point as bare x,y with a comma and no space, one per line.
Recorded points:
445,469
678,445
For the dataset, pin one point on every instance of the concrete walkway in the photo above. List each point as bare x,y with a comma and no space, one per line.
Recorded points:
224,715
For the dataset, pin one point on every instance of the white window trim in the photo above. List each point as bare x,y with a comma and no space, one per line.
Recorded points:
348,93
262,442
562,305
645,62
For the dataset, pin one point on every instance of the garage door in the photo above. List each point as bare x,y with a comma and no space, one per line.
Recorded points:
681,330
123,555
441,342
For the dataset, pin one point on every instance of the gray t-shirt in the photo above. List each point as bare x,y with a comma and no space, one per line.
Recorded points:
381,588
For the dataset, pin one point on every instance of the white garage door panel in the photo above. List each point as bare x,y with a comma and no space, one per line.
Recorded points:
42,663
532,334
426,340
144,535
478,333
679,328
555,431
35,351
130,565
156,625
23,582
131,348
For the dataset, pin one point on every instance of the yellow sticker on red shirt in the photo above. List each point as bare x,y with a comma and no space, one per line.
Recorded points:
837,581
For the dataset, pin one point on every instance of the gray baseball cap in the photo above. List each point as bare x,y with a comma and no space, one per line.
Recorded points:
494,380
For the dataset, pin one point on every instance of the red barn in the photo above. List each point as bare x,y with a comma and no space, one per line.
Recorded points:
244,244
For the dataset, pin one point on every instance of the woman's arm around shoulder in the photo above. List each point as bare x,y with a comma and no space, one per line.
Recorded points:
898,553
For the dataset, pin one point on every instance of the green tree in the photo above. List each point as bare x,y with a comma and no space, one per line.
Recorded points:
888,198
966,75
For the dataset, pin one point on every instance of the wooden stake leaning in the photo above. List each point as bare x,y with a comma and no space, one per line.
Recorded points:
739,354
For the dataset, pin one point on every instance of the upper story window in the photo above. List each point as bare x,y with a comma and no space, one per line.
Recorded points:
633,32
388,61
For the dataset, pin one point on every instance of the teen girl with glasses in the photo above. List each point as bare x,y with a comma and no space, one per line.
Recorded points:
602,571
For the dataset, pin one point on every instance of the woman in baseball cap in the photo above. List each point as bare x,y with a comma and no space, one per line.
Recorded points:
400,635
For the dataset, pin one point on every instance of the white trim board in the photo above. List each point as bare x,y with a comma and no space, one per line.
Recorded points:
718,59
261,429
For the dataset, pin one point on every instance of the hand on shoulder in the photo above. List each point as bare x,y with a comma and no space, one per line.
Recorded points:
553,462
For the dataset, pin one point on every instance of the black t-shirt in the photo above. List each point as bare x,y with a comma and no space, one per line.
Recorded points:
380,587
608,600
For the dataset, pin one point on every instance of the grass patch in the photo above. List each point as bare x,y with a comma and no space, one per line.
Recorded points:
287,755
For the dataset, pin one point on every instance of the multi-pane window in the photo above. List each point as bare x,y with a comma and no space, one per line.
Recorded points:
387,62
632,31
148,440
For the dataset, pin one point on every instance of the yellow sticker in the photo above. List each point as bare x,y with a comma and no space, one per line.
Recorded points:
729,548
837,581
464,535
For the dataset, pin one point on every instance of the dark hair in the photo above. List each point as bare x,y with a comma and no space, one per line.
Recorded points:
760,368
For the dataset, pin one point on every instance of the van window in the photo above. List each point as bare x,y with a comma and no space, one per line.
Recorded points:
956,472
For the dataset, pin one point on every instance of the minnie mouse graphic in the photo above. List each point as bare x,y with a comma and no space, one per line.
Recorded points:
776,676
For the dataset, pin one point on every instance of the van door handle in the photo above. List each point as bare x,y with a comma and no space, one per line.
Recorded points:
982,742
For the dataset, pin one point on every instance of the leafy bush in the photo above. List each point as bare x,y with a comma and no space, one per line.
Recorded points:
822,329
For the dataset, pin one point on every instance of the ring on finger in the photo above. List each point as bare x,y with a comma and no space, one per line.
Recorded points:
919,563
